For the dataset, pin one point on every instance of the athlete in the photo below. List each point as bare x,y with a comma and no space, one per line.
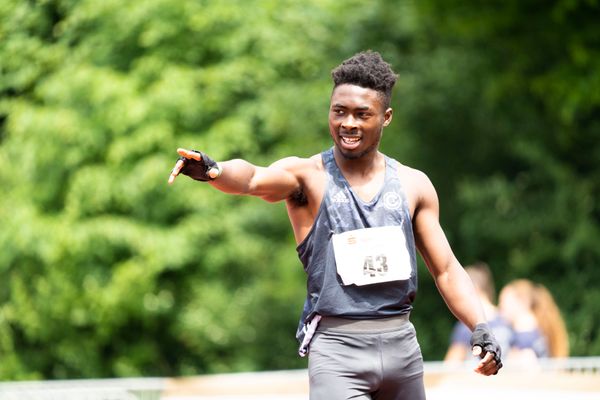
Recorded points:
358,218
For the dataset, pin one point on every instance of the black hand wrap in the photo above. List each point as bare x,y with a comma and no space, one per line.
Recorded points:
483,337
198,170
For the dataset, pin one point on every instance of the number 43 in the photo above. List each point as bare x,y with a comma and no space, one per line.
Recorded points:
375,265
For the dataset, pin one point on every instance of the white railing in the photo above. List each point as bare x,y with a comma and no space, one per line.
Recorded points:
581,369
84,389
582,365
585,365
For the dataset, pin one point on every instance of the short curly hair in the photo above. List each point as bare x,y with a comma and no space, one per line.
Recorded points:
367,69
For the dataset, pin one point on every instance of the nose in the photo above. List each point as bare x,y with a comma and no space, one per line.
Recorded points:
349,123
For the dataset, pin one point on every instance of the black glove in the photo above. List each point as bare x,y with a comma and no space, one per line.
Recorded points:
198,170
484,338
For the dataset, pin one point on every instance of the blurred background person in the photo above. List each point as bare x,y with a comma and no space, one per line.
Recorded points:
538,327
460,347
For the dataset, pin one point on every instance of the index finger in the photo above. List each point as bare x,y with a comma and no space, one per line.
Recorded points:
175,171
189,154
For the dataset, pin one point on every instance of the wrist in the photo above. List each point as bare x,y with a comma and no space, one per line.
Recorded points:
215,171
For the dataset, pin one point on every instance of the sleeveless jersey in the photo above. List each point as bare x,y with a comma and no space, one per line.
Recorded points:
341,214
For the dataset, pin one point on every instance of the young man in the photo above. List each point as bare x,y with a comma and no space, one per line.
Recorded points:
358,217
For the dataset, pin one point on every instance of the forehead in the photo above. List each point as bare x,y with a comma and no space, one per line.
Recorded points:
352,96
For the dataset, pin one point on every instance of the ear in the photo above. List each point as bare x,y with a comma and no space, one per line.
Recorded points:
387,116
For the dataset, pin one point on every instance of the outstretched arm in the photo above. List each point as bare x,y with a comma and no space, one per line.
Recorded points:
453,283
274,183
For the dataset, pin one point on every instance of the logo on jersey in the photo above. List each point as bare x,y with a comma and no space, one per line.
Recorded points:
392,201
340,197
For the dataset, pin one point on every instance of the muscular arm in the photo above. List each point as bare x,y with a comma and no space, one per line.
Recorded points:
274,183
452,281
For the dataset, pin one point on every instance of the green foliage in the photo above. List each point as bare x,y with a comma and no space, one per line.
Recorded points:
107,271
103,266
506,122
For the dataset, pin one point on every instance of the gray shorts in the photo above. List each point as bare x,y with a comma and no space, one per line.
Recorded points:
365,359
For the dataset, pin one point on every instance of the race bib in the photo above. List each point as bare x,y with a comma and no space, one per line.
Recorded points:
372,255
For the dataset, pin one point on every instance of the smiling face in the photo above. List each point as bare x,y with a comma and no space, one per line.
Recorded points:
356,120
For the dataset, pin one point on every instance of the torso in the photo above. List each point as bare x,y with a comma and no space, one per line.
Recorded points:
313,179
359,254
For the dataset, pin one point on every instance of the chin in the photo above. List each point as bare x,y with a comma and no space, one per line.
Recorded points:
355,154
350,155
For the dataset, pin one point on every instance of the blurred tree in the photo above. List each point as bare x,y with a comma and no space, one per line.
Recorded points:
498,102
501,101
106,271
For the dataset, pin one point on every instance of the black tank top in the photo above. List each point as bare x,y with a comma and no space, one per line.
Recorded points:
342,210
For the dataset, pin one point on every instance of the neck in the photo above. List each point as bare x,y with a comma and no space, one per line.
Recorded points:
365,164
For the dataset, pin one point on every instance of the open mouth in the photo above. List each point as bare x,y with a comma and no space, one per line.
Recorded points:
350,140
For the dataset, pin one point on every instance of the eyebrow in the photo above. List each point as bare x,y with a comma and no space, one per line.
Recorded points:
361,108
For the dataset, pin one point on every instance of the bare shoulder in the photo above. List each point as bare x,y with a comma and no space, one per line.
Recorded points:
291,163
413,175
309,175
418,187
299,166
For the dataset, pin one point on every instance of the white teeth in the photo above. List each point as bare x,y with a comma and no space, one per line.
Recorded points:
350,140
